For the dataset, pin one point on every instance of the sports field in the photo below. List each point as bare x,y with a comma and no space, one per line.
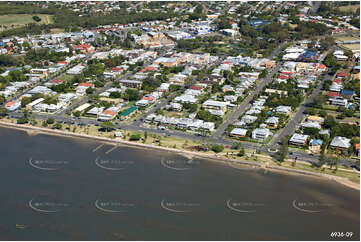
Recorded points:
20,19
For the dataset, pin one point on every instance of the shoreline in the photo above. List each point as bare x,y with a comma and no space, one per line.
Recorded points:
33,130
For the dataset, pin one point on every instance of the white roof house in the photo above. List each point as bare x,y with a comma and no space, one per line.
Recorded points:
248,119
186,99
340,142
215,104
261,134
238,132
283,109
298,139
311,124
142,102
272,120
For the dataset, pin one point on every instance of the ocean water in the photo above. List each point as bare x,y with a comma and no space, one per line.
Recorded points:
55,188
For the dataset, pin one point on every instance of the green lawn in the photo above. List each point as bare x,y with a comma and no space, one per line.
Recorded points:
349,8
8,20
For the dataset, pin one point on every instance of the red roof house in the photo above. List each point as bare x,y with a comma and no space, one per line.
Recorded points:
333,94
86,84
196,88
341,74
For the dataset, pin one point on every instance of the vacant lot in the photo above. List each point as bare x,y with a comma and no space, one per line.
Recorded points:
353,47
344,38
20,19
349,8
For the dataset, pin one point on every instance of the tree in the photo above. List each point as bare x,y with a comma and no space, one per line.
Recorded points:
145,135
135,137
115,95
77,114
263,73
217,148
25,101
241,152
108,126
89,90
283,150
36,18
22,120
131,94
50,120
3,112
57,126
333,161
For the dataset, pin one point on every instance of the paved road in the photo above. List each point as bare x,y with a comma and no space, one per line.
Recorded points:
298,117
246,102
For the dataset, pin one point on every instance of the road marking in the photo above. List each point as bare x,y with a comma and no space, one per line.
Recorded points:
98,147
108,151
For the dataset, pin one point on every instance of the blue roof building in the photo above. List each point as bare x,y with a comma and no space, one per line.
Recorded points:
347,93
316,142
257,22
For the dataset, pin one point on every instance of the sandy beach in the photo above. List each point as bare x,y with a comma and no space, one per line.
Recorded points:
32,130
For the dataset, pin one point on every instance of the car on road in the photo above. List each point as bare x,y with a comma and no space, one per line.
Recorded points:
355,167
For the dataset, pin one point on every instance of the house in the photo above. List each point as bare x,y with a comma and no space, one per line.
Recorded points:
184,98
94,112
279,92
347,94
248,119
213,79
230,98
84,48
315,145
339,142
142,103
211,104
298,139
208,126
85,84
333,94
272,122
341,75
283,109
230,32
314,118
311,124
166,61
13,105
131,83
33,103
44,73
76,70
338,101
107,115
238,133
261,134
175,106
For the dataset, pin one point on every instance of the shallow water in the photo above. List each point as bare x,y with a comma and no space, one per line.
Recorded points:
58,188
